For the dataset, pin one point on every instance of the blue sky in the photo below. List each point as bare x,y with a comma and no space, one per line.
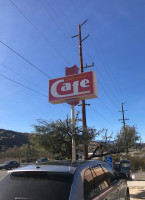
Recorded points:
41,31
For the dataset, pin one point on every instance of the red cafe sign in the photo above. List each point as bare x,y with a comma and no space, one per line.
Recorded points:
78,86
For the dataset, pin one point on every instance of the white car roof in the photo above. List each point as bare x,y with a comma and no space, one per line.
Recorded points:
58,168
45,168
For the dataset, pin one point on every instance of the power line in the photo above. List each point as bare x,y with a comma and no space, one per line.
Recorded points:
108,94
55,21
22,85
25,59
19,75
60,8
67,19
101,116
18,83
40,32
88,55
102,60
110,110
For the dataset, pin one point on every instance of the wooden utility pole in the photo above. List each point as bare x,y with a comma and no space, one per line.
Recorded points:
123,118
83,101
83,104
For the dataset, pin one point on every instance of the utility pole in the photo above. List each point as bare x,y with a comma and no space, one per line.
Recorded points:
83,101
73,134
83,104
123,118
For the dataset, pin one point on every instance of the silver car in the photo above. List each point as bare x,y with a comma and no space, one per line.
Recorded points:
62,181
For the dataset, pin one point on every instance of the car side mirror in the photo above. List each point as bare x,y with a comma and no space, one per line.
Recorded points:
123,176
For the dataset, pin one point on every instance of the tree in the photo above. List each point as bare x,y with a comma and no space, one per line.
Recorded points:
28,152
127,138
56,137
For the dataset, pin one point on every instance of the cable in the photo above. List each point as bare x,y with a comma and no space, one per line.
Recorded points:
96,51
19,75
101,116
55,21
112,100
100,74
22,85
35,27
60,8
100,100
85,49
28,88
25,59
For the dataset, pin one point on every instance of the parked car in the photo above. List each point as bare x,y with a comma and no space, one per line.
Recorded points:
9,165
42,160
116,167
125,167
81,181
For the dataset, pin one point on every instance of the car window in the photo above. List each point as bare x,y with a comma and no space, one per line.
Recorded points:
110,174
88,184
99,179
36,186
7,163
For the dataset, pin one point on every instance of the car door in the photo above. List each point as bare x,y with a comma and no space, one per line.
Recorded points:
123,189
11,164
97,185
88,184
121,184
113,181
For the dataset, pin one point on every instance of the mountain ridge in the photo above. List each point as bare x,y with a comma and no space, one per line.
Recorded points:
9,139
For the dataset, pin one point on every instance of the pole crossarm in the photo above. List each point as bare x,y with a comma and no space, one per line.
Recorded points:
87,66
84,22
75,36
86,104
85,38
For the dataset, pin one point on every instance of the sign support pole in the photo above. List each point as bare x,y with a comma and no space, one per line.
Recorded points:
73,134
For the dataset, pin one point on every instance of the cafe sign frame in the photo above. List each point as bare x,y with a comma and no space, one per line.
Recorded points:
74,87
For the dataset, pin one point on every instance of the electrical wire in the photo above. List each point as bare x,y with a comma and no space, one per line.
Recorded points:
89,57
40,32
18,83
57,24
102,116
19,75
60,8
30,63
16,52
23,85
114,102
102,60
102,102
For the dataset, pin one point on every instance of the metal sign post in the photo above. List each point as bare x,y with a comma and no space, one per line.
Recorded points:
73,134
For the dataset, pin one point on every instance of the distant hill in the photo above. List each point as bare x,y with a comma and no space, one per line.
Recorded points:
9,139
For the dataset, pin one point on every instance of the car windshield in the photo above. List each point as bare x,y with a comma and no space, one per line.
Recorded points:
125,165
36,186
8,162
